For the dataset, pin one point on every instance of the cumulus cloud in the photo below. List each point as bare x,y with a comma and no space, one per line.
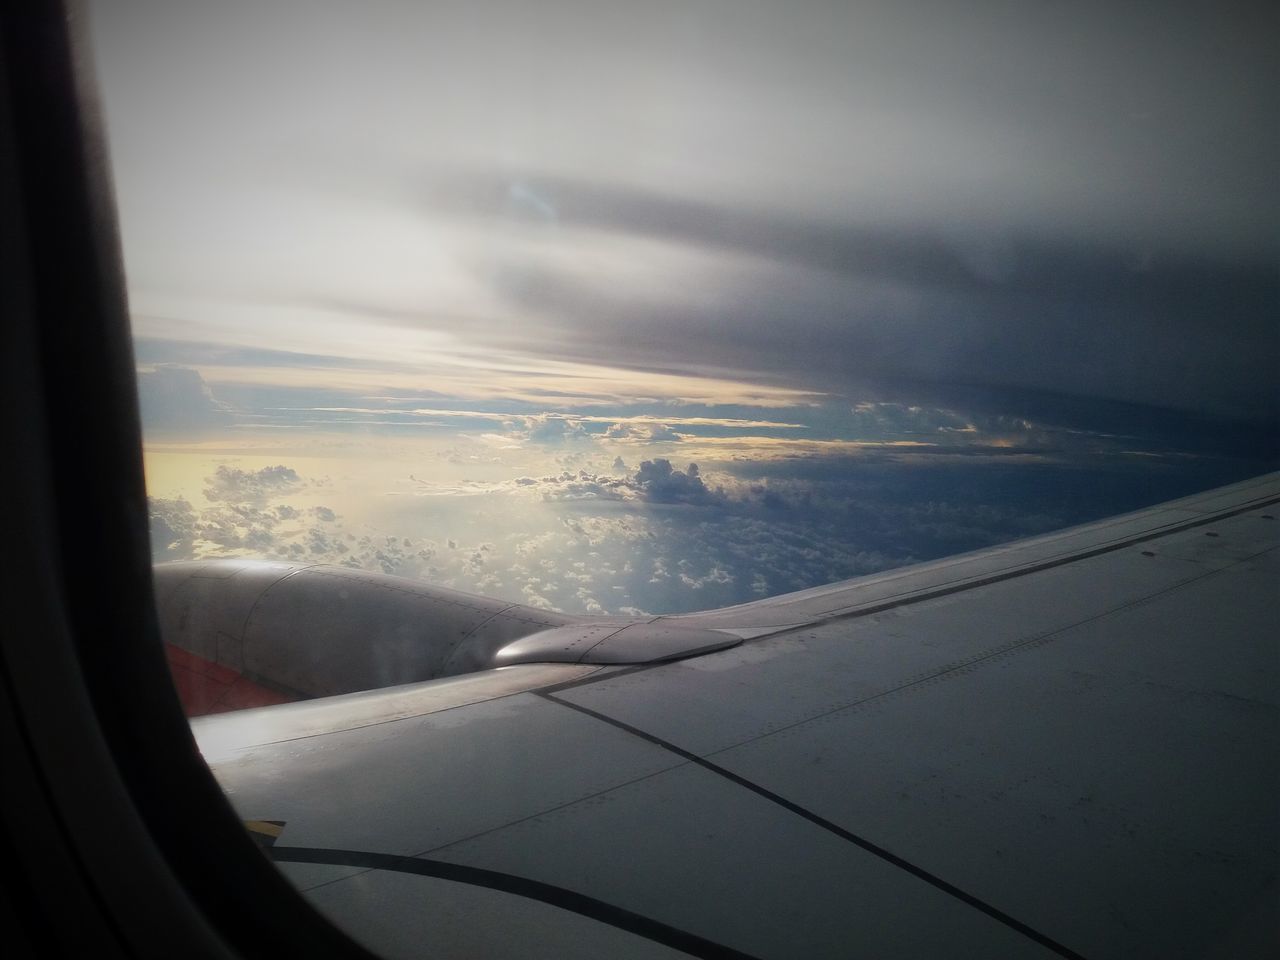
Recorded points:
175,398
233,485
654,481
549,428
659,482
639,432
173,528
665,538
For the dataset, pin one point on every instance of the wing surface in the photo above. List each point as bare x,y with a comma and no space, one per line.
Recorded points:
1064,746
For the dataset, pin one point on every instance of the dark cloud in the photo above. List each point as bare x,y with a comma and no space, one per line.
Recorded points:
899,195
658,482
855,310
964,259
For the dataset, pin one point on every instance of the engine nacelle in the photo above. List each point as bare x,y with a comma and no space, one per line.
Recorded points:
309,631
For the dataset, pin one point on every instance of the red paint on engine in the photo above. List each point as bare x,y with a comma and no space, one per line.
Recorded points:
207,687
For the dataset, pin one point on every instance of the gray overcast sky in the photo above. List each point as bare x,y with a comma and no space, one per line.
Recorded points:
836,196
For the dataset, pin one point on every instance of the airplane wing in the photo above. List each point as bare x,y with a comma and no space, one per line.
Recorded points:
1065,746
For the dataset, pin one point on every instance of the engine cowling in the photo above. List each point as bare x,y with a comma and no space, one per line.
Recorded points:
247,633
308,631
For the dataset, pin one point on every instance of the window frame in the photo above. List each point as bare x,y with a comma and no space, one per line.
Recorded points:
119,840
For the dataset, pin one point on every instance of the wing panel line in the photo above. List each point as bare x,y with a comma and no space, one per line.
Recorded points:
861,842
561,897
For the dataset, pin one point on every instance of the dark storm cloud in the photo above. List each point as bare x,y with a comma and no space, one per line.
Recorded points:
897,197
1034,258
842,307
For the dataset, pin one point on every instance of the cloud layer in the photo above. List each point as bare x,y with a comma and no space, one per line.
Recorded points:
661,306
890,200
664,538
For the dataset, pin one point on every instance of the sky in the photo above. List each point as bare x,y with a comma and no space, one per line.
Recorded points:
643,308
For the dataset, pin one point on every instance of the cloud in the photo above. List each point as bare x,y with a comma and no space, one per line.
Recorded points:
654,481
173,528
570,486
871,420
174,398
233,485
552,429
659,482
877,194
642,433
1071,317
662,538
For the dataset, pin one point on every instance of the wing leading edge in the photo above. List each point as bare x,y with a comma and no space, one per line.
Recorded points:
1060,747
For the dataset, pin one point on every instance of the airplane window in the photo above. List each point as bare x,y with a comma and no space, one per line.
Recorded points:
653,311
461,324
